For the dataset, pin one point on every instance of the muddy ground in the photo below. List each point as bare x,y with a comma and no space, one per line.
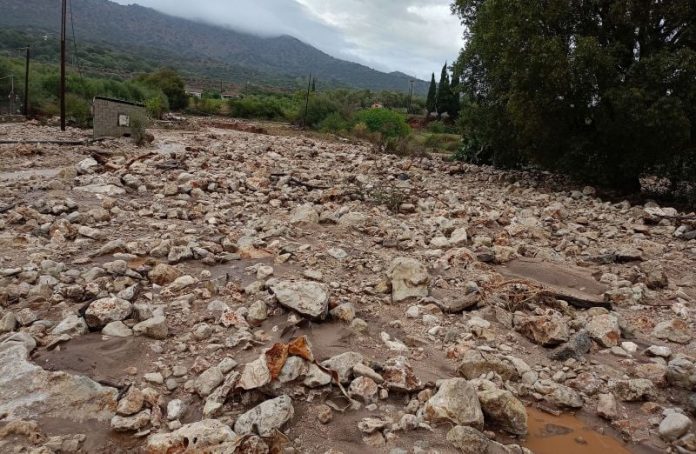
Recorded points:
153,300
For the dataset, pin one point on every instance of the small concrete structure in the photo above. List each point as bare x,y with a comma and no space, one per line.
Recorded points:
114,117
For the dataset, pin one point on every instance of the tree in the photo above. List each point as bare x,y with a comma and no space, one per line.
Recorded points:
603,90
170,83
314,84
444,94
431,102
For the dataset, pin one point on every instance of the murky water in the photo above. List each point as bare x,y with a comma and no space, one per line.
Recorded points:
567,434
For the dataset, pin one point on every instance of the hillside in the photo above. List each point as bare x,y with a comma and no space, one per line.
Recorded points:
214,51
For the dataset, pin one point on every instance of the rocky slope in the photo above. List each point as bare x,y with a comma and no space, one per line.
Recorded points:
225,291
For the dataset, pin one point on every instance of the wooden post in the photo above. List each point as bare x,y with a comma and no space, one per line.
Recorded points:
26,83
62,66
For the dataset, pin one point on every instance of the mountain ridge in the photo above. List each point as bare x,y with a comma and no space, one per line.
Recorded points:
135,27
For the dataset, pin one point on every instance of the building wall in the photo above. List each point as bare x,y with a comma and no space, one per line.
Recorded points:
106,117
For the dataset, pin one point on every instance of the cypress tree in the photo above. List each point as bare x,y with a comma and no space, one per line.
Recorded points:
431,103
444,94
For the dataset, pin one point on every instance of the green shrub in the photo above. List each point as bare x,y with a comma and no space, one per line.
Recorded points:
138,127
157,106
78,110
437,127
334,122
384,121
260,107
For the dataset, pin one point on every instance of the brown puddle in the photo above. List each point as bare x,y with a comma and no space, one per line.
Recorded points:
567,434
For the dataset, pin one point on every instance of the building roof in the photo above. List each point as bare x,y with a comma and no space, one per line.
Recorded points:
120,101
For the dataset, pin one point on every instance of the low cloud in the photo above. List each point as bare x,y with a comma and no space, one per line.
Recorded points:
414,37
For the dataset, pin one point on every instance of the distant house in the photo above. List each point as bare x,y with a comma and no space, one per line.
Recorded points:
195,92
229,95
377,105
115,117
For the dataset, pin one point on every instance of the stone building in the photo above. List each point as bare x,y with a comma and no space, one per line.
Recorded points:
115,117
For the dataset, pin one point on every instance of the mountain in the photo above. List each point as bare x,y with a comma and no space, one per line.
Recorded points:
169,40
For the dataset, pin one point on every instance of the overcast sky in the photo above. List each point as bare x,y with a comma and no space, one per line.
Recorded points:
412,36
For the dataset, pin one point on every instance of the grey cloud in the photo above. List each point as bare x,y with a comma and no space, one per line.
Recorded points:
414,37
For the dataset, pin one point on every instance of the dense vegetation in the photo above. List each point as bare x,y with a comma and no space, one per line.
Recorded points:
106,31
44,83
602,90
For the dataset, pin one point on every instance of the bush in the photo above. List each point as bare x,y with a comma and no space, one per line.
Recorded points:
437,127
384,121
157,106
138,130
334,122
78,110
260,107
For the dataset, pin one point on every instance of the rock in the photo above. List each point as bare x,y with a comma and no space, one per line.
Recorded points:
117,329
304,214
674,330
265,418
131,423
470,441
155,328
294,368
72,324
343,364
175,409
409,279
163,274
92,233
565,397
106,310
681,372
474,364
361,370
258,312
398,376
545,330
364,389
604,329
456,401
316,377
607,407
459,237
324,413
131,403
308,298
181,283
9,323
674,426
254,375
633,390
87,165
337,253
578,346
154,377
504,409
659,351
105,189
28,391
201,436
208,381
344,312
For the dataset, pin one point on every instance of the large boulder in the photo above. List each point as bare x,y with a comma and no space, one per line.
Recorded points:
28,391
455,402
470,441
202,436
409,279
604,329
546,330
675,330
308,298
266,417
474,364
106,310
503,408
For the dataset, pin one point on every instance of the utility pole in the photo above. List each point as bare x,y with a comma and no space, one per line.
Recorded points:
62,67
26,83
409,109
12,95
309,87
